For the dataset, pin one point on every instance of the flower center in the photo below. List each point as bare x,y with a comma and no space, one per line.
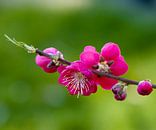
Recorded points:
78,83
103,67
81,83
79,76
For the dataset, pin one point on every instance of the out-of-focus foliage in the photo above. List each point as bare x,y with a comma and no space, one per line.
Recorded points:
33,100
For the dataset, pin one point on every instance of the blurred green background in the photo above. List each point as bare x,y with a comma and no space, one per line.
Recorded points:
33,100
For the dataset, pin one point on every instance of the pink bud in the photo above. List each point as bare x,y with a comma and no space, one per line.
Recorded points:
110,51
117,88
43,61
120,97
144,87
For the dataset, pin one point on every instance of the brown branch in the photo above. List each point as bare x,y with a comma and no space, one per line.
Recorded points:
31,49
127,81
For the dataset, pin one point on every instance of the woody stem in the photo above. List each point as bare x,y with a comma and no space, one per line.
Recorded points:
127,81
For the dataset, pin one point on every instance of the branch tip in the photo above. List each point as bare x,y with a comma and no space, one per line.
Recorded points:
28,48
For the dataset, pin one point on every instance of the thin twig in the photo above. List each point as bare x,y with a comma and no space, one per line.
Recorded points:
127,81
31,49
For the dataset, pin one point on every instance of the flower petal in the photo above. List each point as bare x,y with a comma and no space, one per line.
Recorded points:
50,50
61,68
90,58
106,83
42,61
89,48
110,51
119,67
50,70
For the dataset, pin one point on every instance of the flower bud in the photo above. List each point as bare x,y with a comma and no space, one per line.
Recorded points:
116,88
47,64
119,91
144,87
120,97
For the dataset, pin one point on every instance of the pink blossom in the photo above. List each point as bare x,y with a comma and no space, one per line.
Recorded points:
43,61
89,56
110,51
77,79
144,87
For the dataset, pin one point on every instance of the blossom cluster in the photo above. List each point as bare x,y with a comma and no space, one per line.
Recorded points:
79,76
